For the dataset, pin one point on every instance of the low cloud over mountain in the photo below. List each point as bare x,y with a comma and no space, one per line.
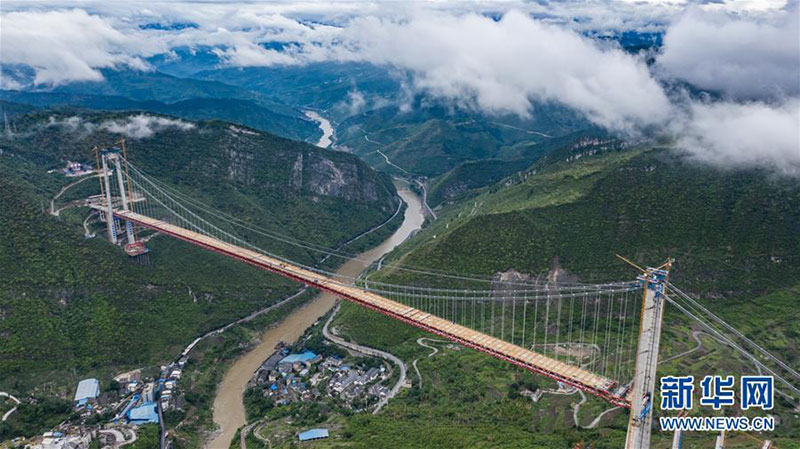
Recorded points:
496,58
138,126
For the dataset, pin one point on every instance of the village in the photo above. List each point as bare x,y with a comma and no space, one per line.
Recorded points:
111,416
284,378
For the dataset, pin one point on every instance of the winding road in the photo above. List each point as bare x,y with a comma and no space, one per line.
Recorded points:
577,407
371,352
434,350
53,210
388,162
422,186
3,394
119,437
596,420
695,336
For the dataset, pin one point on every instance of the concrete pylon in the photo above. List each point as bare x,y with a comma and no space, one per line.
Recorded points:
112,231
124,195
644,380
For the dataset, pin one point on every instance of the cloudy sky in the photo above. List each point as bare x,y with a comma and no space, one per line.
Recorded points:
498,57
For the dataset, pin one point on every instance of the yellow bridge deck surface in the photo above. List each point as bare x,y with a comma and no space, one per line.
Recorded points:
473,337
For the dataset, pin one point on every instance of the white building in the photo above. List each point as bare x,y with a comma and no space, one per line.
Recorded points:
87,389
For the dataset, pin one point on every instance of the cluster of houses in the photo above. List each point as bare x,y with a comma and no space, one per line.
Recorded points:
168,383
134,404
350,384
142,408
289,378
60,440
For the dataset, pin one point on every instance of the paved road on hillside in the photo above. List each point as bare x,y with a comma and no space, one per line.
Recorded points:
369,351
3,394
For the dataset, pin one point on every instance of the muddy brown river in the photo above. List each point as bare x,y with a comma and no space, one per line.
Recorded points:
228,404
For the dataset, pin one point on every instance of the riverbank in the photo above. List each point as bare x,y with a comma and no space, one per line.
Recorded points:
228,413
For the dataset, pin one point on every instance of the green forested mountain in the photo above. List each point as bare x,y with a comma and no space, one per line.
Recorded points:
240,111
469,176
153,85
372,110
730,231
184,97
431,139
325,85
71,306
733,233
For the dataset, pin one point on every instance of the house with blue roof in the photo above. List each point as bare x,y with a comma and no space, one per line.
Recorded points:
143,414
304,357
313,434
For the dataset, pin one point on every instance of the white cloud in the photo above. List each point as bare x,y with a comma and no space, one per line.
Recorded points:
249,54
744,135
355,102
497,66
746,49
142,126
503,66
69,45
71,123
139,126
743,58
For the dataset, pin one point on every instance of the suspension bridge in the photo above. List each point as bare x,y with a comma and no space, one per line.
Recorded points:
602,338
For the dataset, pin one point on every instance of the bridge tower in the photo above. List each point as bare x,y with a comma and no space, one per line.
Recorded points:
106,188
644,380
109,157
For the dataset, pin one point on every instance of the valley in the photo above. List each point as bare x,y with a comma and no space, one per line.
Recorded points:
229,412
274,225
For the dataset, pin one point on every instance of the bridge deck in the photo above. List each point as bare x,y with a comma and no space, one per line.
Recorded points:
571,375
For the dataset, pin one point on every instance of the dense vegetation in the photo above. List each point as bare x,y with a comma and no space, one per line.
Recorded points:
183,97
38,415
147,437
234,110
436,138
469,176
371,110
71,306
734,235
731,232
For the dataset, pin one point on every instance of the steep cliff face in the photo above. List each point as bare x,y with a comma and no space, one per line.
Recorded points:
256,160
327,177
